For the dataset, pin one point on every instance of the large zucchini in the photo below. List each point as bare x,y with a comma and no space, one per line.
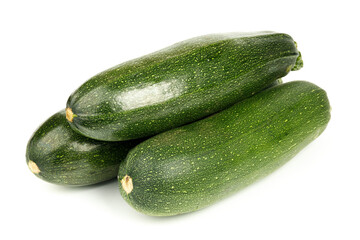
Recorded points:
179,84
57,154
194,166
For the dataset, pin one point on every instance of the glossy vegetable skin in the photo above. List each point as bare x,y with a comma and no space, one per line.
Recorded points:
57,154
193,166
179,84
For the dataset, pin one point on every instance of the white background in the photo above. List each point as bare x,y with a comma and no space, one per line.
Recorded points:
49,48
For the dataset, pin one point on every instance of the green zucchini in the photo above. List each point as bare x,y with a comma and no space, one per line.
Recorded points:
179,84
193,166
57,154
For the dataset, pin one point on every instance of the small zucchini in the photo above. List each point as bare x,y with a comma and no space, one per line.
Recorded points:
57,154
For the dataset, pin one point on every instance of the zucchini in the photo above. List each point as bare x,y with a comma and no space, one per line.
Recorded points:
193,166
179,84
57,154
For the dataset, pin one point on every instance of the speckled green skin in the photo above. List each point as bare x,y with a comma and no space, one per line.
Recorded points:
275,83
68,158
196,165
180,84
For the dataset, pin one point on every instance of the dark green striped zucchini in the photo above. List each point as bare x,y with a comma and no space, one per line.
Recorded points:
196,165
179,84
57,154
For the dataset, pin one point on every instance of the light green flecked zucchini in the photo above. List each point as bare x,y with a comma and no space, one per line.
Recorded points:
179,84
57,154
193,166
